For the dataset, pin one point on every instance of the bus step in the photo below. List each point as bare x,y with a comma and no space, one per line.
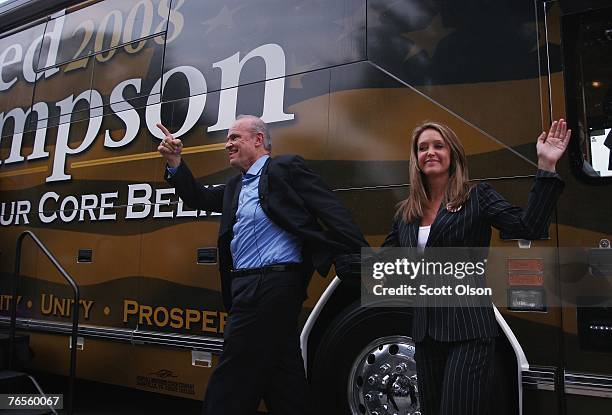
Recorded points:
22,350
12,381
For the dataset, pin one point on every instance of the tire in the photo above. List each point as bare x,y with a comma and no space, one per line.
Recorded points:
365,364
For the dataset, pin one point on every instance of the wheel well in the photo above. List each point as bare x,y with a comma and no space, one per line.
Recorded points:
344,296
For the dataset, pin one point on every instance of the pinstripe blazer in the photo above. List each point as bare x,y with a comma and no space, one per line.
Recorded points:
471,227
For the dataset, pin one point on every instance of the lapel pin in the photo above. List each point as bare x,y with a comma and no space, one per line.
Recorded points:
452,209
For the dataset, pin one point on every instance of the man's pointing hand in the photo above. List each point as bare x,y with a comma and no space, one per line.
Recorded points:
170,148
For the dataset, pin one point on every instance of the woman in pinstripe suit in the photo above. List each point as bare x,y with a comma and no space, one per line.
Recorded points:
455,345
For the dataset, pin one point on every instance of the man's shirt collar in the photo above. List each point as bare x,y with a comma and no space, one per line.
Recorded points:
255,169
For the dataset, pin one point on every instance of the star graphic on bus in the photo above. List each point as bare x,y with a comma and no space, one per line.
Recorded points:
225,18
427,39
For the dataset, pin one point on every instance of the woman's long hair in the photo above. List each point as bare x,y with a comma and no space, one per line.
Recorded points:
458,187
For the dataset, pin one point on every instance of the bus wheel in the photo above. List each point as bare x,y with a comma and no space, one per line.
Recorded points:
365,364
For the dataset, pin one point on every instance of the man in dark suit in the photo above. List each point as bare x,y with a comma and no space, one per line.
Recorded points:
270,239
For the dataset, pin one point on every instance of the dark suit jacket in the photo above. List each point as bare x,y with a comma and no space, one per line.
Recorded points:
471,227
293,197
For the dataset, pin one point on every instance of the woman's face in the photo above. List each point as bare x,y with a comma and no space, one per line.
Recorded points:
433,154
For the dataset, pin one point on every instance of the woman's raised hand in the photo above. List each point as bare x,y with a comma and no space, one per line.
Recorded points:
551,146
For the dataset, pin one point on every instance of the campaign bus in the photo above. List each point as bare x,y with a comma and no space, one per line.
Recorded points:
342,84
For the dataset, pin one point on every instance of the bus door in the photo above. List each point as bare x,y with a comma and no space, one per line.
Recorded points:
585,208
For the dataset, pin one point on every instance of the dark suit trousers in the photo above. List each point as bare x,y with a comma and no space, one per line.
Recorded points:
454,377
261,353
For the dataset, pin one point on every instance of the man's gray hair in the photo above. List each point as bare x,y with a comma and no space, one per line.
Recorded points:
258,126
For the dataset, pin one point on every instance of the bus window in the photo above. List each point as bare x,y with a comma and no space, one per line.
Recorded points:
98,30
588,57
129,75
17,68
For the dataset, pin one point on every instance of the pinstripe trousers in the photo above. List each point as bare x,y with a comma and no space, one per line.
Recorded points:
454,378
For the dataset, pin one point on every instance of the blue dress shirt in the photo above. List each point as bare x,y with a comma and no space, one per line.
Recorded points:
257,241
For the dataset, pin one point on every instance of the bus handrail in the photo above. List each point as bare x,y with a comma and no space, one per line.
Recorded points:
75,309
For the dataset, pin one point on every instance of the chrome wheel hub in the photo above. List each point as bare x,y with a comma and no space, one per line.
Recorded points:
383,379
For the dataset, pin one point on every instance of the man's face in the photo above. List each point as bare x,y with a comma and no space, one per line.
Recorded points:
243,147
